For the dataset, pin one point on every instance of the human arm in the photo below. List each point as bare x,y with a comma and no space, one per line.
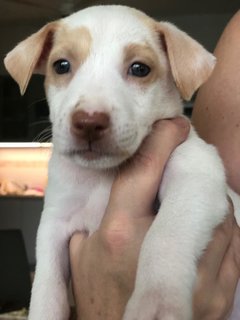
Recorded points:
216,116
216,111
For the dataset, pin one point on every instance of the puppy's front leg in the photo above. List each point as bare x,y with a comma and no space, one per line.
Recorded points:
49,299
190,209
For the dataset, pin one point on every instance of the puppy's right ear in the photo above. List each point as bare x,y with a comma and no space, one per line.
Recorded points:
30,56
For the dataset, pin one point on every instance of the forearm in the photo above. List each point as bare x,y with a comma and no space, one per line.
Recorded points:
216,113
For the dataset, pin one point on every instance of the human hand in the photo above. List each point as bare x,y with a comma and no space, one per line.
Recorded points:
104,265
218,273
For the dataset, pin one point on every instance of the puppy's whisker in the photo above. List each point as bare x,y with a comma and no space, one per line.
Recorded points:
45,135
35,123
34,103
46,130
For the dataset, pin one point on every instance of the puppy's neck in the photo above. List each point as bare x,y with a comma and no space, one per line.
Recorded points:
74,174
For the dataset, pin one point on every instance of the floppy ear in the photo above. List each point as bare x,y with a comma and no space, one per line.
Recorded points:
30,56
190,63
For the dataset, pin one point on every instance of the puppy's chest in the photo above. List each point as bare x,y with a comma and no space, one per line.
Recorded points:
88,210
79,200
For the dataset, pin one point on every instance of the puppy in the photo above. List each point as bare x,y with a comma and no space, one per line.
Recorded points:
110,73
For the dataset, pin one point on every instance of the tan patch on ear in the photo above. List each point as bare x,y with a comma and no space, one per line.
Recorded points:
72,44
190,63
29,54
145,54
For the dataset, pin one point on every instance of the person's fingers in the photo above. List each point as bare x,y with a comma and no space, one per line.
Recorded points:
75,246
211,261
230,269
137,183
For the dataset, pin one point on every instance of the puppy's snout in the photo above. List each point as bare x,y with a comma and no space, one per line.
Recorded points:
89,127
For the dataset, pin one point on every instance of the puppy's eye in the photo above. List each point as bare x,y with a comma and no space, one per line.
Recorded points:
62,66
139,69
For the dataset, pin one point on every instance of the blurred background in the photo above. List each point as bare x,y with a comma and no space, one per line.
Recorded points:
23,119
25,130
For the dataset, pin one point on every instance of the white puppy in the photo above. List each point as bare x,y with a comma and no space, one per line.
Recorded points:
111,72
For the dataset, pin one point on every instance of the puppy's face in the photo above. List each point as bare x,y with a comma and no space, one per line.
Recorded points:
111,72
113,65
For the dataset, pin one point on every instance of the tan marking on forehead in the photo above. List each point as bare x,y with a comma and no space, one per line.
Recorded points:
73,44
145,54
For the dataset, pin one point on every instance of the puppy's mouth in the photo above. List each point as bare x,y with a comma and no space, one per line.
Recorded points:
97,157
91,152
88,154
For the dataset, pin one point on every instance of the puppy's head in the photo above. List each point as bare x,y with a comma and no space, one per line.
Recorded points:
110,73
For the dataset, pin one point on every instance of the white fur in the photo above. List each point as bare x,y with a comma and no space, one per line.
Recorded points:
192,193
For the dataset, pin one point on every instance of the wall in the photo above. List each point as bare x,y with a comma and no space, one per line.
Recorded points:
22,213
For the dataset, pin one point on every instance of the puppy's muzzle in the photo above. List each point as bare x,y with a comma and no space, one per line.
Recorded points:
89,127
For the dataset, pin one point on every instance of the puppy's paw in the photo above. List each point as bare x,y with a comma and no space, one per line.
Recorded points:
49,312
155,306
49,305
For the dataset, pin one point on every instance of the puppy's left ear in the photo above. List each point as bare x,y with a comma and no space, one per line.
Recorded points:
30,55
190,63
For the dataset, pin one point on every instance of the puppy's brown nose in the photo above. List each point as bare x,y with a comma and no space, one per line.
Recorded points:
89,127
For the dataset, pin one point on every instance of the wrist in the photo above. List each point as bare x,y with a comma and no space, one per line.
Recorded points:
107,305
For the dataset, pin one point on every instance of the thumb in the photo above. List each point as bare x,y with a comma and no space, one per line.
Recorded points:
76,244
137,183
